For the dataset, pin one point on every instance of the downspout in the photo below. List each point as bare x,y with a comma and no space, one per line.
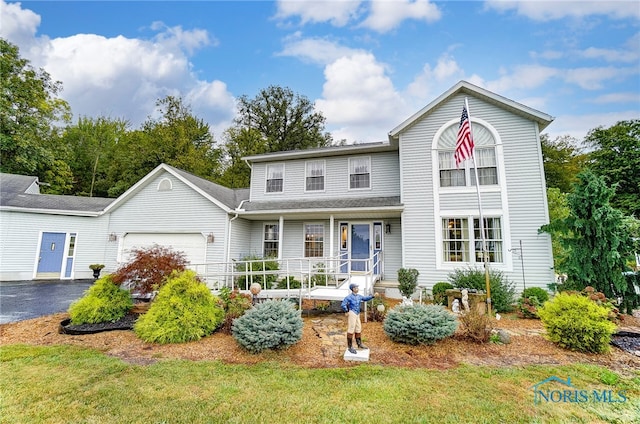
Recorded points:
237,211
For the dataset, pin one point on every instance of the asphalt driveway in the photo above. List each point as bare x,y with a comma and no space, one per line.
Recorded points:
20,300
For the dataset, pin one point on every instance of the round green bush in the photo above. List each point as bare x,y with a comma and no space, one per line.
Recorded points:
104,301
439,293
184,310
419,324
541,294
502,290
273,324
575,322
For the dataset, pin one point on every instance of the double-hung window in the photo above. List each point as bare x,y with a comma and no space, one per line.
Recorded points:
459,244
314,180
313,240
271,240
275,178
359,172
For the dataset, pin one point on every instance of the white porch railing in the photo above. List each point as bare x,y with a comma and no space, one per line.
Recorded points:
276,275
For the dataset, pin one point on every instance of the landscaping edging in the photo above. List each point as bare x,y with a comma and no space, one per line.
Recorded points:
125,323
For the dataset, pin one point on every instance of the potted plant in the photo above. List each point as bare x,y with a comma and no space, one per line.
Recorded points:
408,281
96,268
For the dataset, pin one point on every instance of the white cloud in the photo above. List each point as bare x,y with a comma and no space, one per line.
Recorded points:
336,12
594,78
558,9
432,82
523,77
17,24
119,76
617,98
388,14
359,98
578,126
317,50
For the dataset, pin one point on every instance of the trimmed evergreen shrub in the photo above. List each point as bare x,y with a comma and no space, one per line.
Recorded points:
575,322
439,293
502,290
184,310
261,271
273,324
407,281
541,294
104,301
419,324
293,283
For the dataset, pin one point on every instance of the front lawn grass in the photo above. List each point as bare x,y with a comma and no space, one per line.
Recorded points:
64,384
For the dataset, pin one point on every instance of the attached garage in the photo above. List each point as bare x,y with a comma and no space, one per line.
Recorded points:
193,245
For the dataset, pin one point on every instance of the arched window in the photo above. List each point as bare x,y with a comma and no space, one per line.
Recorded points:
485,155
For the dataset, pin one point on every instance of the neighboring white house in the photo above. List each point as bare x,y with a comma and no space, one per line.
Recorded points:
376,207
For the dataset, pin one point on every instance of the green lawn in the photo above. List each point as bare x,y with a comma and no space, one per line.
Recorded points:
63,384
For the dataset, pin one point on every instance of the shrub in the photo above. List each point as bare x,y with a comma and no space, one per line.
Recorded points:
293,283
260,271
273,324
374,313
531,299
104,301
575,322
320,276
541,294
419,324
439,293
407,281
235,304
475,326
184,310
502,290
148,268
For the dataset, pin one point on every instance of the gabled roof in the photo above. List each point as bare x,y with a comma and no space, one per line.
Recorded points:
20,192
225,198
465,87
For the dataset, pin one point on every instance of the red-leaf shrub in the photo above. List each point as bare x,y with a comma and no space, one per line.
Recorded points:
148,268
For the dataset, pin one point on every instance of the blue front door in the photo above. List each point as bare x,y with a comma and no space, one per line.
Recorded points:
51,252
360,246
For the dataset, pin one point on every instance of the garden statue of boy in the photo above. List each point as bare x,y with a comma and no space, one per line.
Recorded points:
351,306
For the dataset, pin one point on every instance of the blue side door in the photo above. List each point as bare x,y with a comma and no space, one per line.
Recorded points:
51,252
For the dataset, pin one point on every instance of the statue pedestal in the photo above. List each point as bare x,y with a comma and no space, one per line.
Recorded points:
361,355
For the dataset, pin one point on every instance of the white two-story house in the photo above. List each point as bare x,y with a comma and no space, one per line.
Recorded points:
366,208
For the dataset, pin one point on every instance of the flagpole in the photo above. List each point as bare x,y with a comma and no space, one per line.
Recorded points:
485,256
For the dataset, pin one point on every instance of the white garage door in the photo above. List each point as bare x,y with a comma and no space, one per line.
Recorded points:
192,245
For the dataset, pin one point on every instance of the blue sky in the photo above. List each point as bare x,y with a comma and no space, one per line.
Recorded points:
367,65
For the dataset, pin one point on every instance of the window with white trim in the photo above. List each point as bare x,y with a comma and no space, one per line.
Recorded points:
271,240
313,240
493,238
485,157
459,245
275,178
314,180
360,172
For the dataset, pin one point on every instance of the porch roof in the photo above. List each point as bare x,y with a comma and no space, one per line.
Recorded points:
344,207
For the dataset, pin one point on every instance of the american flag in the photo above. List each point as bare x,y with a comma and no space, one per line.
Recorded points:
464,143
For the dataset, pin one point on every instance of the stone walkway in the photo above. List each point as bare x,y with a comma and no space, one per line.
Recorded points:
331,330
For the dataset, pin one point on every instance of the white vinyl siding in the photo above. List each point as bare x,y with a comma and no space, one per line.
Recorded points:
385,181
518,199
